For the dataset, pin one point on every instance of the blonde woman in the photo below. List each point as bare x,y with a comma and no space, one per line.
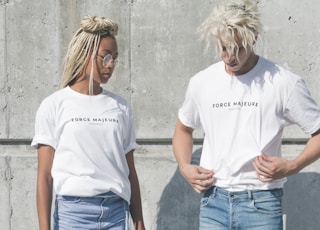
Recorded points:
243,104
85,140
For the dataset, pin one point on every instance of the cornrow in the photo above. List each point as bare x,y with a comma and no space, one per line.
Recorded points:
83,45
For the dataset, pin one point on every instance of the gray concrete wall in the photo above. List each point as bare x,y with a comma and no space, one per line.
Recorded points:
159,52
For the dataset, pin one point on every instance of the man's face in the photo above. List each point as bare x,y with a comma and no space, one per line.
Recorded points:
238,60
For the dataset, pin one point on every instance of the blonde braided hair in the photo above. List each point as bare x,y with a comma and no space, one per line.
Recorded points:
83,45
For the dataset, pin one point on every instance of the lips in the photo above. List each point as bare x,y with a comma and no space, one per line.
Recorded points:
106,74
232,64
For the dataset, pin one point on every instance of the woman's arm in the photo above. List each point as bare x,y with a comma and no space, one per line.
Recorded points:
135,206
44,186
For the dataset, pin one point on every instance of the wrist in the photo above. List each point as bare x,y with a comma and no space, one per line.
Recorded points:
294,167
183,167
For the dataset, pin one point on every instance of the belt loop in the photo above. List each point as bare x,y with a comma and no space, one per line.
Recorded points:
214,191
249,194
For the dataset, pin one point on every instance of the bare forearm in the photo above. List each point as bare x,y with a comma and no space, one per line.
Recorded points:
44,186
310,153
198,177
44,202
272,168
135,202
182,143
136,206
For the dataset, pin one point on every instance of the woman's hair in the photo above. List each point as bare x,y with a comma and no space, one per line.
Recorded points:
84,44
231,22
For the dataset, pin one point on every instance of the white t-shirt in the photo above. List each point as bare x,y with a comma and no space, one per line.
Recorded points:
91,136
244,116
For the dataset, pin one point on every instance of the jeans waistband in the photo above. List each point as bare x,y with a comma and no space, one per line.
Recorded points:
246,194
93,198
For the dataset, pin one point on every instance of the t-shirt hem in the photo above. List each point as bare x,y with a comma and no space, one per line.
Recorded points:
41,140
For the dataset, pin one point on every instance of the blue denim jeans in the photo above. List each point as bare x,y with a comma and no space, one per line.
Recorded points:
222,210
106,211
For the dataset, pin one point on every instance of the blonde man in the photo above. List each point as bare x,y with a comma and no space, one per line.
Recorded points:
85,140
243,104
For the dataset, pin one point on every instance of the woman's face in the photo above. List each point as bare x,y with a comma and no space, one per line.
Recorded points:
103,67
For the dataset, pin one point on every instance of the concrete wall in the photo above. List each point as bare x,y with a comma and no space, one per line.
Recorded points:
159,52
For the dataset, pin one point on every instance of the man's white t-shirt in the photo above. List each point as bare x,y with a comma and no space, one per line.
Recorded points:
244,116
91,136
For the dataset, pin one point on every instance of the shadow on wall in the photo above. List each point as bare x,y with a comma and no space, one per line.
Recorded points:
301,202
179,203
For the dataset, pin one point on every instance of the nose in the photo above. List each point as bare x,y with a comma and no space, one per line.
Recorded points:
110,64
229,56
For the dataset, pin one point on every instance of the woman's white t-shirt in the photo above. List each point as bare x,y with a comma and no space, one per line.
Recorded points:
244,116
91,136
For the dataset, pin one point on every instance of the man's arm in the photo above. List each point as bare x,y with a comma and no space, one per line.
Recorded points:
198,177
272,168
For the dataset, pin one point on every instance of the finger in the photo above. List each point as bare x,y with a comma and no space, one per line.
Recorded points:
206,183
266,158
206,177
262,165
204,171
200,191
261,172
263,176
260,168
200,183
264,179
199,188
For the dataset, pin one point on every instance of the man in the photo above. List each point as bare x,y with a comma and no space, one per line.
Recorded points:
242,103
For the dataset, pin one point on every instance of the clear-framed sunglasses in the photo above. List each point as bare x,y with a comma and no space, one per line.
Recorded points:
106,60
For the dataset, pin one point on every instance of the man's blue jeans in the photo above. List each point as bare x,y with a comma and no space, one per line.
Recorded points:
107,211
246,210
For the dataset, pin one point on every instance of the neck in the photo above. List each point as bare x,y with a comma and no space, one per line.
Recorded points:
83,87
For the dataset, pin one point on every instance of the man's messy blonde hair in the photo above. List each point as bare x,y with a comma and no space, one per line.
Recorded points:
231,22
84,45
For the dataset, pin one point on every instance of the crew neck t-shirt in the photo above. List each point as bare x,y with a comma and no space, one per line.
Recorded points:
91,136
244,116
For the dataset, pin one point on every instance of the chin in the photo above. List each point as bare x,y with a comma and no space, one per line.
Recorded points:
104,81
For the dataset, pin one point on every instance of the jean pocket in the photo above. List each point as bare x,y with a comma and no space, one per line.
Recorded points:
271,205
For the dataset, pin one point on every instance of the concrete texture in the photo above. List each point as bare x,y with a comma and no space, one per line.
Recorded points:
159,52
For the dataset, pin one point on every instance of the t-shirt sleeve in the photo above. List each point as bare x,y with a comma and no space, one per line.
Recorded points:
130,137
302,110
189,113
44,127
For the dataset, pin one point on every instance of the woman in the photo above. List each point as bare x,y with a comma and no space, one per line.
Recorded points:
85,140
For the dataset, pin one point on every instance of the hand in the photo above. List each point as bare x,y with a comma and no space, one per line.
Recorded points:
271,168
198,177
